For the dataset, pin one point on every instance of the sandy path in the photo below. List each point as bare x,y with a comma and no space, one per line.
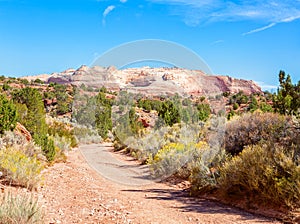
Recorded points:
74,192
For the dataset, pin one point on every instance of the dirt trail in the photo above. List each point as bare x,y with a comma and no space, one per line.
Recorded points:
73,192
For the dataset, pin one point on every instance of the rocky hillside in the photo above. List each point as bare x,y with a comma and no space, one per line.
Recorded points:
153,81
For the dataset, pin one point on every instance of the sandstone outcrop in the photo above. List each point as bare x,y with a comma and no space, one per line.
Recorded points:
154,81
21,130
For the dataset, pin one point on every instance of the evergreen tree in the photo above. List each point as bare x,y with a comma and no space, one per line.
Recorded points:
8,114
35,119
287,99
103,115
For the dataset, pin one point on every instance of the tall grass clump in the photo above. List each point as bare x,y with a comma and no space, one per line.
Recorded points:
20,209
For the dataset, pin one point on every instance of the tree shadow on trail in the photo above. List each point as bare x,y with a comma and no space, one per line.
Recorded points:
188,203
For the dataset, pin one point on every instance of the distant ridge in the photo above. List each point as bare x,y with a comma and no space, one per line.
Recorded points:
152,81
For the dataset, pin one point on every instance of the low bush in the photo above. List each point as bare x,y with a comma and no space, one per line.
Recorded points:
20,209
86,135
262,174
64,131
62,143
170,159
251,128
205,169
19,169
47,145
185,161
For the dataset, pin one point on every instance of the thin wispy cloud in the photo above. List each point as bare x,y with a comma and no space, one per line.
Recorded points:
217,42
259,29
286,20
266,86
108,10
270,12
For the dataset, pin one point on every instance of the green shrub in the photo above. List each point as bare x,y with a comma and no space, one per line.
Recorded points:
235,106
203,111
38,81
20,209
19,169
265,107
148,104
64,131
253,106
169,113
262,174
47,145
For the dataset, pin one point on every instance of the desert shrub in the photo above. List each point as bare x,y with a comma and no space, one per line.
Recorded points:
13,140
134,123
235,106
169,112
5,86
62,143
173,158
239,98
47,145
19,169
169,159
64,131
24,81
205,169
38,81
84,110
10,139
141,147
20,209
264,107
262,174
148,104
249,129
253,106
203,111
86,135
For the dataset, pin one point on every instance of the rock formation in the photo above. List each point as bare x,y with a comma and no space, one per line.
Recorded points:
21,130
154,81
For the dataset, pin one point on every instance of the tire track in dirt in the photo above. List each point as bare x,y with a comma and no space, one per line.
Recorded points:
152,202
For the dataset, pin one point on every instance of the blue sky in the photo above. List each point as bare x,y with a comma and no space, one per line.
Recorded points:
244,39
